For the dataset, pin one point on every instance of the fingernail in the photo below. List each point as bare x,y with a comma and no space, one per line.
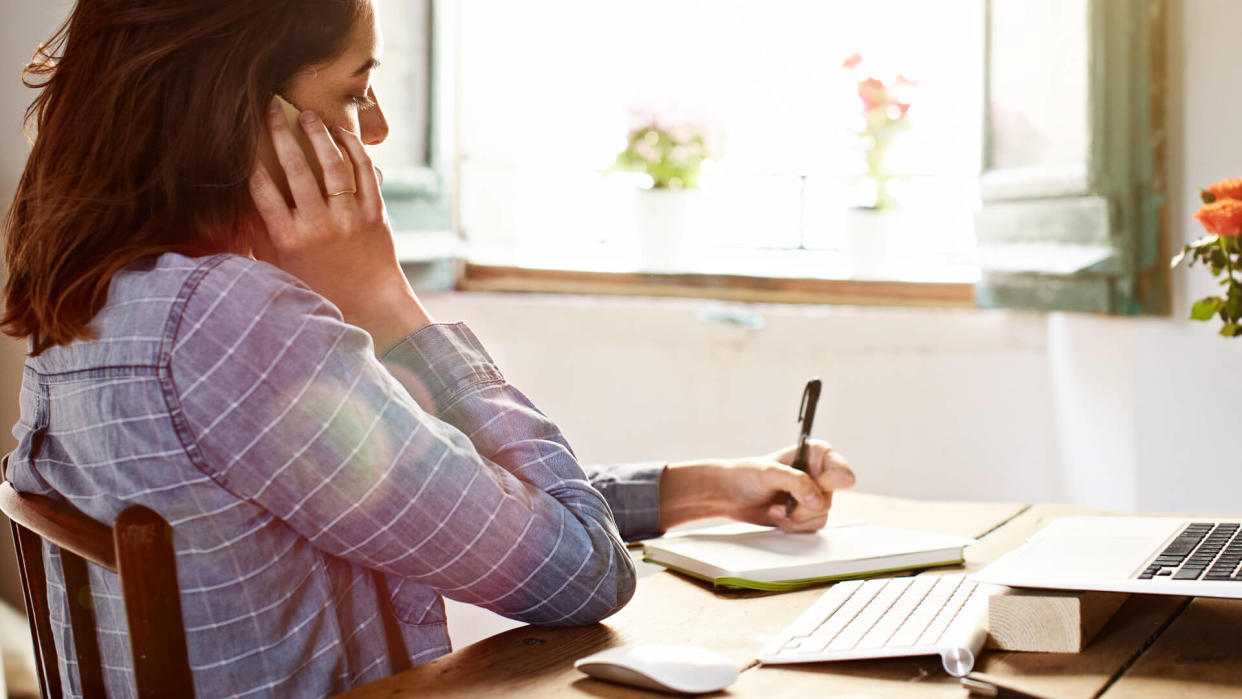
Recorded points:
308,117
814,500
274,106
841,479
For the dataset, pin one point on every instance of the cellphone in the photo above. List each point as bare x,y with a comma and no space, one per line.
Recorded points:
267,153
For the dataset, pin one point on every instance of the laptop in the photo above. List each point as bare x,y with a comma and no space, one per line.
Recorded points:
1150,555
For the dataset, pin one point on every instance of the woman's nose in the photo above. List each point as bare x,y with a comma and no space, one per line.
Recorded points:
372,124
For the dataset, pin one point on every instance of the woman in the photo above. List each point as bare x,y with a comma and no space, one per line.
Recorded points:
204,347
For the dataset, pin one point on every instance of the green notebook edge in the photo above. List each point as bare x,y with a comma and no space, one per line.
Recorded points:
790,585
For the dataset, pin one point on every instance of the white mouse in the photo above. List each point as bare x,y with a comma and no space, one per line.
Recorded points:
665,668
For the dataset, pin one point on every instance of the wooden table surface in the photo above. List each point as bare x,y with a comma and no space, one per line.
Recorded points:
1153,646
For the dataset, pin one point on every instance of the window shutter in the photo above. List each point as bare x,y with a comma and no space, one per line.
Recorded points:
1073,183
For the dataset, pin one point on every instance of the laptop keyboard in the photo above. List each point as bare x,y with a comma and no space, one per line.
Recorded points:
1202,551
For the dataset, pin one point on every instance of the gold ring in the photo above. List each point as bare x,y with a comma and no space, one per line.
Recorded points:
344,191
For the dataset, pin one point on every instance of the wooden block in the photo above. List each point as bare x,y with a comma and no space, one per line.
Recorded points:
1048,621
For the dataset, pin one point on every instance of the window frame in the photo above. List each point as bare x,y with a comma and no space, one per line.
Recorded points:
1108,215
421,202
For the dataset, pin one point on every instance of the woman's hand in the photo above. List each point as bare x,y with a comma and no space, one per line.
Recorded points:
339,244
753,490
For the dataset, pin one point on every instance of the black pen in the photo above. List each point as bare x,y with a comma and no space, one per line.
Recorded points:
806,415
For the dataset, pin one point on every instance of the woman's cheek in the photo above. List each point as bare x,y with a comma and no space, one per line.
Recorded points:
345,118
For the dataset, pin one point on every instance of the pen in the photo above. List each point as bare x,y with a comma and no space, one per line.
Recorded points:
981,685
806,415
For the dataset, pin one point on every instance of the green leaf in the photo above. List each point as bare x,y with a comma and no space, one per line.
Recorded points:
1204,309
1233,309
1233,303
1231,330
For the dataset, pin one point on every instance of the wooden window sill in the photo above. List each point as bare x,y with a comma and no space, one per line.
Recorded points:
730,287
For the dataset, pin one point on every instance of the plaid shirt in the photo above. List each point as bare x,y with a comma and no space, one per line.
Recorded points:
291,463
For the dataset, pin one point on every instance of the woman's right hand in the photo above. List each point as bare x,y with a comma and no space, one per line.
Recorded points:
753,489
339,244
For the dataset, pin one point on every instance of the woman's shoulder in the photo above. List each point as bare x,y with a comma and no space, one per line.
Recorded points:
177,284
223,295
233,304
174,276
155,300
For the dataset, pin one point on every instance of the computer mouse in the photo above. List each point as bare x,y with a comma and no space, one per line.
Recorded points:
664,668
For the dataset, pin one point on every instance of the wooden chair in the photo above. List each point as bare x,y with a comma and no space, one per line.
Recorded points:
138,548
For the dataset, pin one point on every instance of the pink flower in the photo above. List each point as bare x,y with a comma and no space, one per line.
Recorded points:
871,91
852,62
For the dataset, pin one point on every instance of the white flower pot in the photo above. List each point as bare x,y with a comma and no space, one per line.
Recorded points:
664,219
872,237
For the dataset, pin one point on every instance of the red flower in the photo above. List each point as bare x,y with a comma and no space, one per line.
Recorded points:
1225,189
1222,217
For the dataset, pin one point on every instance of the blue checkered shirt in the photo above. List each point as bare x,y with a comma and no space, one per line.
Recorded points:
291,463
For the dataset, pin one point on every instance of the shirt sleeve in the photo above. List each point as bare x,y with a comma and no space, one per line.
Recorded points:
633,493
433,469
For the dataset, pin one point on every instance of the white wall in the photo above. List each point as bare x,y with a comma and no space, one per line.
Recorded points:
922,402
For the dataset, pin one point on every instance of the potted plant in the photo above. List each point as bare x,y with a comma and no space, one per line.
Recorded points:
1221,252
884,114
670,150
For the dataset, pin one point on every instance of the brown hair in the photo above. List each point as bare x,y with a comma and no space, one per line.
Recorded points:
147,126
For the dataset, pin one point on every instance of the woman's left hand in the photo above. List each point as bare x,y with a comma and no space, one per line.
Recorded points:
338,242
753,489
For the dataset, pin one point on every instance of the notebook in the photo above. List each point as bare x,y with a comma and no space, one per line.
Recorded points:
1150,555
762,558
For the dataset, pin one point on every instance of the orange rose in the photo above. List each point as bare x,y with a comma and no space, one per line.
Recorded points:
1225,189
1223,216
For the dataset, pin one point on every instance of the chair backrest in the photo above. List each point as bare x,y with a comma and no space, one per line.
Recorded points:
138,548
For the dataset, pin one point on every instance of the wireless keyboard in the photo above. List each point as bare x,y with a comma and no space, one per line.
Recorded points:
942,615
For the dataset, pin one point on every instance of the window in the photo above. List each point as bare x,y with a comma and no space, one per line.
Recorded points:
1020,119
766,76
415,85
1073,186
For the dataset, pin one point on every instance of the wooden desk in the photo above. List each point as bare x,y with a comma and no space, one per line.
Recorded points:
1154,646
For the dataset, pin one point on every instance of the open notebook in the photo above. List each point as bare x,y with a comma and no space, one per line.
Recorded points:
760,558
